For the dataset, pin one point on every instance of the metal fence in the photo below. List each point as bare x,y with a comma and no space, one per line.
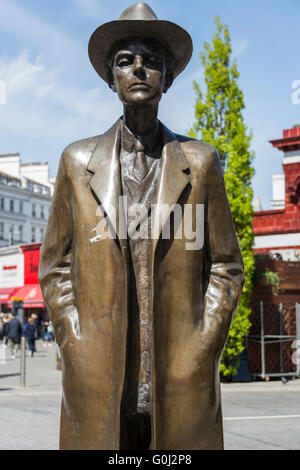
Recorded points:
274,340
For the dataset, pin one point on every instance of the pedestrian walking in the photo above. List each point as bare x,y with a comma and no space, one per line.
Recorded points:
13,331
2,338
2,328
5,319
46,333
30,333
38,325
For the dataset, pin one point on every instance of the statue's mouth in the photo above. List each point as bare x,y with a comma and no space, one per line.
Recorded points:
139,85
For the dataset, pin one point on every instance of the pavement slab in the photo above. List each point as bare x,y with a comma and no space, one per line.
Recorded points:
257,415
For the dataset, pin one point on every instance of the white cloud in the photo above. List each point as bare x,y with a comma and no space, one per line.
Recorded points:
39,105
52,44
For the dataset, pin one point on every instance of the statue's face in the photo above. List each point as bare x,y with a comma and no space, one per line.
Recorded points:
139,72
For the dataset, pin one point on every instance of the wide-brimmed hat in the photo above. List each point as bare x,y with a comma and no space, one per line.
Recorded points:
140,21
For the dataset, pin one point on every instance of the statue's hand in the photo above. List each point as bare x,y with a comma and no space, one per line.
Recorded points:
66,327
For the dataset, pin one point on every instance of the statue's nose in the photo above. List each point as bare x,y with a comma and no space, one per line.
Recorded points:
138,66
138,62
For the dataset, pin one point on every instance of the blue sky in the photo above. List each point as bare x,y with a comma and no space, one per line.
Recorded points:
54,96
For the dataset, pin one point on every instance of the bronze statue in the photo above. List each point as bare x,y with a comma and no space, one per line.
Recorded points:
141,321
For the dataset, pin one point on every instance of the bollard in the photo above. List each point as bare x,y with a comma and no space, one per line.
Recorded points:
23,362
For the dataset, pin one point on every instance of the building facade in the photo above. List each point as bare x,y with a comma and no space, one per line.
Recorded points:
277,231
25,198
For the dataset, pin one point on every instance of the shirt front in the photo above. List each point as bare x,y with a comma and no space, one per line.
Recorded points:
137,393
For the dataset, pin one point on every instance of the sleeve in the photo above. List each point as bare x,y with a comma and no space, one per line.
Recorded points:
55,267
226,270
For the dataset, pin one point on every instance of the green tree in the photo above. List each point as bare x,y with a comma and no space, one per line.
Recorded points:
219,122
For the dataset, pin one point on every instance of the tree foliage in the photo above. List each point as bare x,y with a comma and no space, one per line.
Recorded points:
219,122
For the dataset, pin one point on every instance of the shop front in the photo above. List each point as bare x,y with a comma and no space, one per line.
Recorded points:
19,279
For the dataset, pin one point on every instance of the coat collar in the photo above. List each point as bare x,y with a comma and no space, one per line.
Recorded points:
106,180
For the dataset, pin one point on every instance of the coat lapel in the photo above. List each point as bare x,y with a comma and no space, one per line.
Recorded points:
106,181
172,182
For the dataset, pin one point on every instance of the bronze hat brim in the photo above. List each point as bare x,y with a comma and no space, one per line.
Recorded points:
175,38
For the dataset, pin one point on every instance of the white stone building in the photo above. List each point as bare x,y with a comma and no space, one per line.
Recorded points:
25,198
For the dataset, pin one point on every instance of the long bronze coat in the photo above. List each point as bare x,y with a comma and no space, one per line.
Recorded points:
195,293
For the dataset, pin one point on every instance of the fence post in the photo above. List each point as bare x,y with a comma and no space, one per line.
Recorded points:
280,342
262,338
298,338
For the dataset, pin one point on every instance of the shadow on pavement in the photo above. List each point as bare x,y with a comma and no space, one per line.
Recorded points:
3,376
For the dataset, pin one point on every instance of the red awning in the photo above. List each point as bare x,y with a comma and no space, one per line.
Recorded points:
6,293
31,295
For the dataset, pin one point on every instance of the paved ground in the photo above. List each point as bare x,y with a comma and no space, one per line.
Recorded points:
260,415
257,415
30,416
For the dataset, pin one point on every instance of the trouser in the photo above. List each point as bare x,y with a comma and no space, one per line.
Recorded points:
135,432
31,344
46,336
14,344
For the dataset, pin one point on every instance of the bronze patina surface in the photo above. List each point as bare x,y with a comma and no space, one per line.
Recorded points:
141,322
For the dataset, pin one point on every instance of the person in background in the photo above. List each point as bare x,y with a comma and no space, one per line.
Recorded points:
2,327
5,319
46,333
13,331
2,339
38,326
50,333
29,331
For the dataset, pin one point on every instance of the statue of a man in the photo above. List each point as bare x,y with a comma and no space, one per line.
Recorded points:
141,318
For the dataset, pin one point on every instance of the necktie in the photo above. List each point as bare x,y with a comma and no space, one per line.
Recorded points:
140,164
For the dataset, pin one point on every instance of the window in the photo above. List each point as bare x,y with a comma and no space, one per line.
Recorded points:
11,234
2,203
12,205
14,183
21,207
1,230
20,237
42,212
41,234
33,210
32,234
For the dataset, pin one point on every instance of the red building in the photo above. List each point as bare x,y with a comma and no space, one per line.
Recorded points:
278,230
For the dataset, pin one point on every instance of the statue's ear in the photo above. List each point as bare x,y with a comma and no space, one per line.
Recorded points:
169,77
110,80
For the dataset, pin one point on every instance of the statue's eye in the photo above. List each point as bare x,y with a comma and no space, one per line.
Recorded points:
125,61
152,62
